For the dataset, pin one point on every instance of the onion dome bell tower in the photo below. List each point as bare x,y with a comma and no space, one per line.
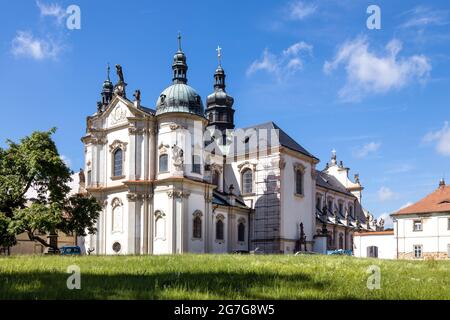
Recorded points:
107,91
219,111
179,97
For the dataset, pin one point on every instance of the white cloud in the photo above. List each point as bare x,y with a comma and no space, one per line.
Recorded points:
299,10
371,73
442,137
51,10
26,45
284,64
366,149
422,16
385,194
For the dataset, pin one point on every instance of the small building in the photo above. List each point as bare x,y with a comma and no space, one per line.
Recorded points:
421,231
376,244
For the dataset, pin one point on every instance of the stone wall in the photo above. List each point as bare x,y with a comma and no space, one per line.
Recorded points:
426,256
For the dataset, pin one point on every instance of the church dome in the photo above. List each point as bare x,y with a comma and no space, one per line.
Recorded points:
179,97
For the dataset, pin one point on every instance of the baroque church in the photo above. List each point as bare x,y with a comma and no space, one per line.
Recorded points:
180,177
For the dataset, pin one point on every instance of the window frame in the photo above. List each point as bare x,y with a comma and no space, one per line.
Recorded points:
114,174
241,223
195,165
418,248
414,225
197,225
166,156
244,183
220,221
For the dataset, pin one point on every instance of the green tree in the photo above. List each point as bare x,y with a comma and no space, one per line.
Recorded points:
34,164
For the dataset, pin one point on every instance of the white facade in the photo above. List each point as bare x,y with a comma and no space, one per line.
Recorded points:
375,245
163,192
431,239
421,231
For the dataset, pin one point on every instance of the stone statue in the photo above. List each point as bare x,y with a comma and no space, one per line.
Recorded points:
82,176
137,95
177,154
119,73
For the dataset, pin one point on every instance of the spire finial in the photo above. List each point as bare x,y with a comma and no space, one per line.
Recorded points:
179,41
219,55
107,75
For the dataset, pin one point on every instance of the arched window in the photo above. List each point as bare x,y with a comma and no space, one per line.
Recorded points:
196,164
247,181
219,230
299,182
241,232
163,163
118,158
350,211
197,225
318,203
341,241
330,240
89,177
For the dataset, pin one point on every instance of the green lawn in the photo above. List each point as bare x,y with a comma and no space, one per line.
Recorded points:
221,277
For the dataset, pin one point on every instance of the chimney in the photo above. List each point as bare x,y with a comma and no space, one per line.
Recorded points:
442,183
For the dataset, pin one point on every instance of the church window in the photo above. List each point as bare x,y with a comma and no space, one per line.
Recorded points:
318,203
417,251
299,182
196,164
118,157
197,227
372,252
341,208
247,181
219,230
89,177
163,163
350,211
448,224
330,206
241,232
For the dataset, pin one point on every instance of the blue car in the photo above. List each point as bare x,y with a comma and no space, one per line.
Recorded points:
70,250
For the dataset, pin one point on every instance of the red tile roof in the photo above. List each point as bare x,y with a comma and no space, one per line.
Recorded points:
437,201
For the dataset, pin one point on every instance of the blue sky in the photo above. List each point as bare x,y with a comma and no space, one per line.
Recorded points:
379,97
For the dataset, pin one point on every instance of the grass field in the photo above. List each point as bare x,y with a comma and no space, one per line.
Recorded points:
221,277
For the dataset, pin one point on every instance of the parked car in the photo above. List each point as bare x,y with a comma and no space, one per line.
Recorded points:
70,250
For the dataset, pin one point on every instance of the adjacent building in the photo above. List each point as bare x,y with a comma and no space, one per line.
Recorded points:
421,231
